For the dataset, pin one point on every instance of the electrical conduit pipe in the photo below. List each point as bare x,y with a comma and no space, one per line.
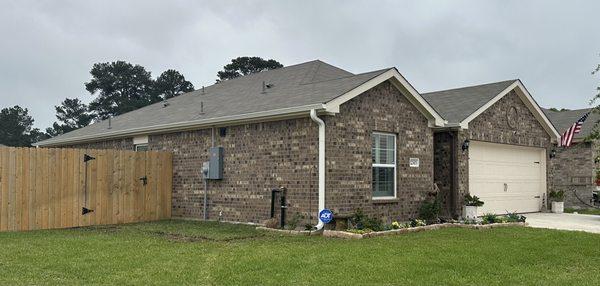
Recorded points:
319,121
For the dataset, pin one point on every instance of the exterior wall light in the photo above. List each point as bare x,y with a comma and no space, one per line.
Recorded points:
465,145
552,153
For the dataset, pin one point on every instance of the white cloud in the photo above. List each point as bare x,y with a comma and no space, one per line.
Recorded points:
48,47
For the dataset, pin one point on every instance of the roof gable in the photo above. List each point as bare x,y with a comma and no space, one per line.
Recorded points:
457,104
476,99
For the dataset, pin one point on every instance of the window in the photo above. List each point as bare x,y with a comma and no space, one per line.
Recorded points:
141,147
384,165
140,143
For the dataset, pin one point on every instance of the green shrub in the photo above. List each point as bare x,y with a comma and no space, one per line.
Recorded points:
514,217
558,196
489,218
360,221
417,222
473,201
359,231
430,210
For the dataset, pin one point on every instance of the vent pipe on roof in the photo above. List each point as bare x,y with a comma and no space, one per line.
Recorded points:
264,87
109,123
202,89
201,107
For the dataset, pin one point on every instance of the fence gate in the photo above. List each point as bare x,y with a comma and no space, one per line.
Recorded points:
49,188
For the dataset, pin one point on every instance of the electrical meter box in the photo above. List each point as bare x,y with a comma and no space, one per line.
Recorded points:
205,166
215,168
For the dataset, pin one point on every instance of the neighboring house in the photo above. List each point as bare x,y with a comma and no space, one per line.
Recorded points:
334,139
575,166
494,145
375,123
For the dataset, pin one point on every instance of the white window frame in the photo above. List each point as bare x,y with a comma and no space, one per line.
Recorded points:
394,165
136,146
140,141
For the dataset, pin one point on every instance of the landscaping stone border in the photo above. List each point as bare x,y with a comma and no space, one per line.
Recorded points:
291,232
345,234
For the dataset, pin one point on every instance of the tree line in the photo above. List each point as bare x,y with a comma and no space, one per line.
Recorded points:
117,87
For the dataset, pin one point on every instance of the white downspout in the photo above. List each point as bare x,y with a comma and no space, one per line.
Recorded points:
319,121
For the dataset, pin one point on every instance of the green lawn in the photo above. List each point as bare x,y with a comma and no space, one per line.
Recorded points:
583,211
185,252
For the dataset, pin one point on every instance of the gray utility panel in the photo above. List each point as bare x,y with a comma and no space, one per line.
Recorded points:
215,168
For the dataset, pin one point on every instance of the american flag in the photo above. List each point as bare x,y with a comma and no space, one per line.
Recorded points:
567,138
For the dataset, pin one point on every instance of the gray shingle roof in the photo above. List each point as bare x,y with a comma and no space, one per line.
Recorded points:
294,86
562,120
457,104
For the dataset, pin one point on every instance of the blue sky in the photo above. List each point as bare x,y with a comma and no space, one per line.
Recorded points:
48,47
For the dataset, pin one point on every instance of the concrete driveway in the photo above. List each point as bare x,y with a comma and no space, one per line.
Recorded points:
581,222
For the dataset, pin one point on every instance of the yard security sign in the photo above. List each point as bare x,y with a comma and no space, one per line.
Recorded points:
326,216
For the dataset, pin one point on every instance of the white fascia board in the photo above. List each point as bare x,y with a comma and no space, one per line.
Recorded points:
402,84
527,100
190,125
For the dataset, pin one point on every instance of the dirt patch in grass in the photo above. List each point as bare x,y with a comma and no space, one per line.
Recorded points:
100,229
178,237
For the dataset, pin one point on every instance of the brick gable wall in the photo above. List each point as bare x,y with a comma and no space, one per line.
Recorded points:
349,161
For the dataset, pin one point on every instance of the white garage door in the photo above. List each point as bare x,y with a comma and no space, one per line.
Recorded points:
507,178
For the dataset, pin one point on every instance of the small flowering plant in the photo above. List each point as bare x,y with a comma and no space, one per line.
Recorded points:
417,222
395,225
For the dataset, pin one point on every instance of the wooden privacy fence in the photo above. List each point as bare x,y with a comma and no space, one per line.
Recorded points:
47,188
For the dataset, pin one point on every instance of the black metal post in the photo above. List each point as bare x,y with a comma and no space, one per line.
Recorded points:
273,191
283,207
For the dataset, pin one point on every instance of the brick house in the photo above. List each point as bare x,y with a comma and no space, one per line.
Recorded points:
575,167
334,139
494,145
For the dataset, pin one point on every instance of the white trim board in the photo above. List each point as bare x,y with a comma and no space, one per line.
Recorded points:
263,116
527,99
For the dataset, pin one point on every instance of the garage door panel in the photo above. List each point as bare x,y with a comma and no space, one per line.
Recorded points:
507,177
509,204
525,189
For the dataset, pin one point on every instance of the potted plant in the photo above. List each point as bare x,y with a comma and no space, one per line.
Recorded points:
471,205
557,197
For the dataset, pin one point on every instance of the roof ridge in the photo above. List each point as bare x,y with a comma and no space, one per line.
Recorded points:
568,110
263,72
348,76
469,86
